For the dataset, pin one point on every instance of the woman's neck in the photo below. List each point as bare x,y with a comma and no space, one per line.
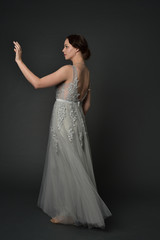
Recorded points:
78,61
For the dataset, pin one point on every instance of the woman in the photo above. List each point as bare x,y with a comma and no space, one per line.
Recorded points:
68,190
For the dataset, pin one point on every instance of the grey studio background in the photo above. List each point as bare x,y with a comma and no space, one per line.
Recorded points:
123,121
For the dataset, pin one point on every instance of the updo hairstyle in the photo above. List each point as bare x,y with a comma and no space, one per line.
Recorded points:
78,41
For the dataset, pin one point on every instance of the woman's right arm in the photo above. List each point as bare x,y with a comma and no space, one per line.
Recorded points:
87,102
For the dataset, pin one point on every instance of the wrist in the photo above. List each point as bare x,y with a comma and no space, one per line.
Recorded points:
19,61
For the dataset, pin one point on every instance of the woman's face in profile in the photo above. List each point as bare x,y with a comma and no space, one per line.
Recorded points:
68,50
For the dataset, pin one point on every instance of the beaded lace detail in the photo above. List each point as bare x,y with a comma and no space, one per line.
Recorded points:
55,139
73,114
61,113
70,134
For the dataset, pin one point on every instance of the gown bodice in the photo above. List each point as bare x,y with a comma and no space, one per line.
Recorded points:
69,91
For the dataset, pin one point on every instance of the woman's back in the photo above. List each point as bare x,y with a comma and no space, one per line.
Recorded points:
83,81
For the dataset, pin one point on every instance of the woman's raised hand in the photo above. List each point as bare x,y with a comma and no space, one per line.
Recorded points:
18,50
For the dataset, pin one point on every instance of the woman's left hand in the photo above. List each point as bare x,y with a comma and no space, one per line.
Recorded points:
18,50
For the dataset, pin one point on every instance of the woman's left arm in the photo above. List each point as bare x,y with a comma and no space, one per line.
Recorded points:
46,81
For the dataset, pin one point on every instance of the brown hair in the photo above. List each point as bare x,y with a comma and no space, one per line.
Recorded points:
78,41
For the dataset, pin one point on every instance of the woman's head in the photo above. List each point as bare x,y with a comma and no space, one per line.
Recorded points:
74,44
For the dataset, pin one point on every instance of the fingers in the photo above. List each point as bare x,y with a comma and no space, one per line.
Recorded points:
17,45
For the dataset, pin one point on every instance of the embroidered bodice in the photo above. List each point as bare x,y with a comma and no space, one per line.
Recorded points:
68,91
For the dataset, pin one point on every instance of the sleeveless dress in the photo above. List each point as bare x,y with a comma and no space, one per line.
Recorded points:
68,187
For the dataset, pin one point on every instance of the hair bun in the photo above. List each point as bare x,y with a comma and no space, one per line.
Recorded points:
87,54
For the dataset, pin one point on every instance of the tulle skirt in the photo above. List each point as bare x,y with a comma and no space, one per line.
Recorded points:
68,187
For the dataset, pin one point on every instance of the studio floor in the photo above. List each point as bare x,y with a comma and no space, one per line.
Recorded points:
133,218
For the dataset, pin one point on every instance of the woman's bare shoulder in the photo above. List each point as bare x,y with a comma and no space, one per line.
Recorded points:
66,66
66,69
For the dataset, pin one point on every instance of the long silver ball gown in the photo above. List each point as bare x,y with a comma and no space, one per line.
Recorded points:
68,187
